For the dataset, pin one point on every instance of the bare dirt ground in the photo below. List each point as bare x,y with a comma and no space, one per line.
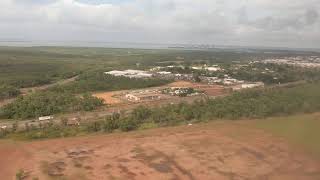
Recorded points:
220,150
109,97
112,97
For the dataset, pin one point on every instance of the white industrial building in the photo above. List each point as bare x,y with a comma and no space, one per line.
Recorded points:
143,96
130,73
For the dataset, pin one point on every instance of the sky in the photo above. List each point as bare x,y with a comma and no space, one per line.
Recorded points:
272,23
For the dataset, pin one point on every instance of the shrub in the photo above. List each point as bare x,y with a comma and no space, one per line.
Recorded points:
128,124
7,91
111,123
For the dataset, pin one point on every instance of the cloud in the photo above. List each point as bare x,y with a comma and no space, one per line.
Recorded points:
239,22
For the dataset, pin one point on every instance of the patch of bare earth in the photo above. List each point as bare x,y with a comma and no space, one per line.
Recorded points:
109,97
208,151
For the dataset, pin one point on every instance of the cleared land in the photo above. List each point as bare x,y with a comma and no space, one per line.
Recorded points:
300,129
218,150
117,97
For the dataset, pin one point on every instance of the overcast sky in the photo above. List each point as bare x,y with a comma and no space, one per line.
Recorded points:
288,23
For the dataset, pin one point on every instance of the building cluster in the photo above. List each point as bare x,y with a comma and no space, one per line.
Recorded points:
213,68
299,61
248,86
226,80
159,93
130,73
235,84
160,73
180,91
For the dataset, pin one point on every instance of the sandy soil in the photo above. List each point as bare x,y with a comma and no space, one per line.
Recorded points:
226,150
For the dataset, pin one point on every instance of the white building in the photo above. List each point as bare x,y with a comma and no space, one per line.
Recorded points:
164,73
252,85
45,118
135,97
197,68
130,73
214,69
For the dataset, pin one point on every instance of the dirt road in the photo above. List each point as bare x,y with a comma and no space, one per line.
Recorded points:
47,86
222,151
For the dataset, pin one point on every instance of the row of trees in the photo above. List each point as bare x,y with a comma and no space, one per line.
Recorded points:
98,81
246,104
257,103
47,103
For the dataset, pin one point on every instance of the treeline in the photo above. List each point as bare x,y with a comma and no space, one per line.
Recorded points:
98,81
47,103
257,103
7,91
22,73
247,104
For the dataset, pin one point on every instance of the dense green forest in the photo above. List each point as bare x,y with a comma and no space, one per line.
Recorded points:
98,81
257,103
48,103
22,68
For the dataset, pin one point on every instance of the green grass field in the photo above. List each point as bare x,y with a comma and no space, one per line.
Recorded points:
299,129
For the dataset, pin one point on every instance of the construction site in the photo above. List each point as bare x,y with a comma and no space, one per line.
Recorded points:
174,92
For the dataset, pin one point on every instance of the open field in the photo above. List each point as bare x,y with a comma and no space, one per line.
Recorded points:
300,129
217,150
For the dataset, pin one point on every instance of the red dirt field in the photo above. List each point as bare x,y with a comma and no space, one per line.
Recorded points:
219,151
108,97
112,97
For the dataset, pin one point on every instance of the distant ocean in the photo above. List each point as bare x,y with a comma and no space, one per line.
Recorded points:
143,45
